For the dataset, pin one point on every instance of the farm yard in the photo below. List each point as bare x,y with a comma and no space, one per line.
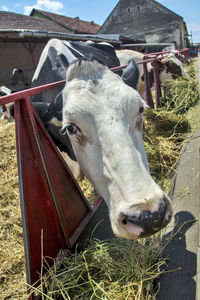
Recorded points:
117,269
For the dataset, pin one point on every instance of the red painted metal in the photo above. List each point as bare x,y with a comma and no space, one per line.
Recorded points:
50,200
182,51
114,69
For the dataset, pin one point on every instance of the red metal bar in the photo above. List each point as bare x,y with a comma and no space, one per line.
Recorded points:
29,92
167,52
114,69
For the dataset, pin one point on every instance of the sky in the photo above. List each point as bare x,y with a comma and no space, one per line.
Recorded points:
98,11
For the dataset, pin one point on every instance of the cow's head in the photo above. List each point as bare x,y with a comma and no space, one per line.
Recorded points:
170,68
103,119
17,76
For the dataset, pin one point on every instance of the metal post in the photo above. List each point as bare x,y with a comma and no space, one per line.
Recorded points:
156,82
148,96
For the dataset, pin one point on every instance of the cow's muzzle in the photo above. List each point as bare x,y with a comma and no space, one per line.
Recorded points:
147,222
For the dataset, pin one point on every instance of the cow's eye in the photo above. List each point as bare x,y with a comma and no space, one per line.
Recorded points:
70,128
141,109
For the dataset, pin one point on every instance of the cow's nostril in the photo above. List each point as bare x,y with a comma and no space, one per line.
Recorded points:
124,221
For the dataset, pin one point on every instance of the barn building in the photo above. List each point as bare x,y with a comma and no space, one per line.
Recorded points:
148,20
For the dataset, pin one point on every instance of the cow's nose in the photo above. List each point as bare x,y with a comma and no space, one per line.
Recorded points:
149,222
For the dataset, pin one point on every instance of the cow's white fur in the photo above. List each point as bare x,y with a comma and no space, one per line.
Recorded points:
109,149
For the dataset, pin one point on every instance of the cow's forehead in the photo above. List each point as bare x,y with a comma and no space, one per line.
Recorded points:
98,96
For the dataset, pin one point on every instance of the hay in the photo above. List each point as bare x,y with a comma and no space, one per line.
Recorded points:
88,191
118,269
181,94
12,270
164,134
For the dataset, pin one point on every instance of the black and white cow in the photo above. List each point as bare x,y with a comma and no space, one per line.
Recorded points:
53,64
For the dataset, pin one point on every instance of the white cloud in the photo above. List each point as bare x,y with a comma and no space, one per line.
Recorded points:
52,6
195,29
4,8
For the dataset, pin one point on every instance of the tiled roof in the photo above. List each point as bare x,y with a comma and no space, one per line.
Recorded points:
74,24
12,21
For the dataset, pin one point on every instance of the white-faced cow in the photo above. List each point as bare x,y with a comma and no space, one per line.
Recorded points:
53,64
102,117
169,67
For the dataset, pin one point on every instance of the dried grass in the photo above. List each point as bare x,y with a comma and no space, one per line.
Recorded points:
12,270
118,269
181,94
164,134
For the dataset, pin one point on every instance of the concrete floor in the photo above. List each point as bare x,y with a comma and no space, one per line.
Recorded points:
183,251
